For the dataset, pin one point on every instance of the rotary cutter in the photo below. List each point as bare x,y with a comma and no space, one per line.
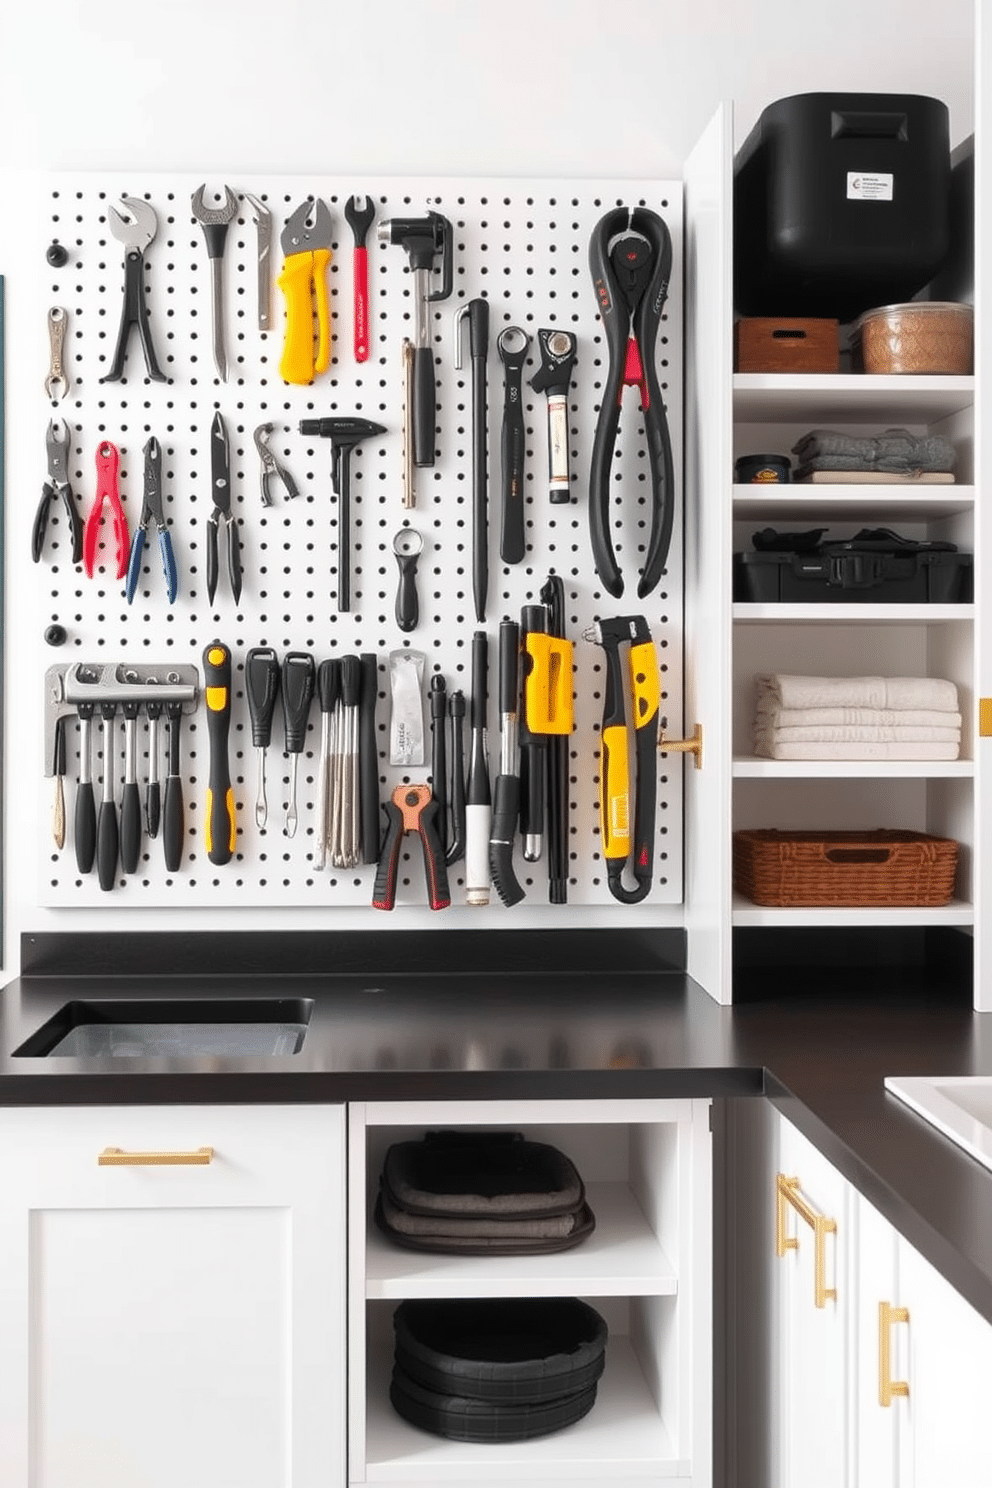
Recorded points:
623,841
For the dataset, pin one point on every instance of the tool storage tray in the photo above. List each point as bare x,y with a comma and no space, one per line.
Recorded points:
506,1369
883,867
837,575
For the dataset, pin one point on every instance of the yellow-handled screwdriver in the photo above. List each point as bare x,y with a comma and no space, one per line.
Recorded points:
306,255
219,825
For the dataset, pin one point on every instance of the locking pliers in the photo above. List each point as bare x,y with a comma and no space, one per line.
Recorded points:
630,259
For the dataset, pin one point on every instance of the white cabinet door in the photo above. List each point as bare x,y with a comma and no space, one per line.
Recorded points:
877,1421
178,1321
945,1436
810,1374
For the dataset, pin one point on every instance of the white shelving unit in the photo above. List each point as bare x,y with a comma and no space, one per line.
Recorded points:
647,1268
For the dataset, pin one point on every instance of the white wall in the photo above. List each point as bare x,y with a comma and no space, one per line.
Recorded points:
505,87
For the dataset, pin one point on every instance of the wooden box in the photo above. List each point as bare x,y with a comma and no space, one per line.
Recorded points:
773,344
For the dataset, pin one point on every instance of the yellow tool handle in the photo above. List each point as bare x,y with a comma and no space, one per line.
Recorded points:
303,273
614,793
548,699
645,683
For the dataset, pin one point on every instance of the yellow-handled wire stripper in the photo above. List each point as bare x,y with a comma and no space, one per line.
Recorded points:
625,840
306,245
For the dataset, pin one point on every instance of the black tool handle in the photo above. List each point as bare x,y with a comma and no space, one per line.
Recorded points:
173,811
84,826
40,526
439,750
424,409
153,807
368,757
299,675
512,542
130,826
107,845
220,820
506,809
216,236
456,796
384,887
262,689
438,893
234,558
328,684
351,681
407,603
509,662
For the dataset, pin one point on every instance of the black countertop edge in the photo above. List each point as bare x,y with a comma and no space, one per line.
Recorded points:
289,953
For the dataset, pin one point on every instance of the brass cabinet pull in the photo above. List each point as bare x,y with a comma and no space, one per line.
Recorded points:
787,1192
116,1157
693,746
888,1388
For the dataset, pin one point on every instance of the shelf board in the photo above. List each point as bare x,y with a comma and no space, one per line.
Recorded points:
622,1436
743,912
622,1257
854,398
854,503
851,614
753,767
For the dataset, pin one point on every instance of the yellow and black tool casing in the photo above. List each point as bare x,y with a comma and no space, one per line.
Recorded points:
220,829
548,702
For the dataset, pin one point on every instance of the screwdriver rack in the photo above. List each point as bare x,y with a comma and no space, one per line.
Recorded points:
521,244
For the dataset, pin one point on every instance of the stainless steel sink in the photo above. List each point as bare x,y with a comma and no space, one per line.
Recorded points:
248,1028
960,1106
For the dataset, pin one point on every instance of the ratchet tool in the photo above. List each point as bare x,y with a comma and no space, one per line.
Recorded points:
135,230
423,238
306,247
107,465
553,378
220,474
359,214
630,258
411,808
219,821
618,845
57,485
151,511
215,222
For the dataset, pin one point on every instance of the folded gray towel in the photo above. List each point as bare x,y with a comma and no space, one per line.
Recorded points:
895,450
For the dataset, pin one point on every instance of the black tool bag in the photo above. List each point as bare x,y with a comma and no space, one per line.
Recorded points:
876,565
496,1370
481,1193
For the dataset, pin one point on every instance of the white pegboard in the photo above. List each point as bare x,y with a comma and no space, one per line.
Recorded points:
521,244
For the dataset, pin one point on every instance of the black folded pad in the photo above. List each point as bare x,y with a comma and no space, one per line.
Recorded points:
480,1193
502,1369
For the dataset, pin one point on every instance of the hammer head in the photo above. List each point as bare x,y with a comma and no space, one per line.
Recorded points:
342,432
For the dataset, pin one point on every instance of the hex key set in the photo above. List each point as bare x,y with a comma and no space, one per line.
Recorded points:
332,482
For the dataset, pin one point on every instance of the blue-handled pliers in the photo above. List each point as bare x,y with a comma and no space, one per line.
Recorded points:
151,511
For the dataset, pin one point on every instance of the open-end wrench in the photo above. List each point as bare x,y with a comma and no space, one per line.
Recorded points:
214,221
136,235
359,214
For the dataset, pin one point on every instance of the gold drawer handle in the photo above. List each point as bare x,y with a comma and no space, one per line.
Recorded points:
116,1157
788,1193
888,1388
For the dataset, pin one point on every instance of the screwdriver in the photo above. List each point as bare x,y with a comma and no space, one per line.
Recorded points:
107,839
58,763
219,822
84,823
153,793
173,814
328,682
262,687
346,852
299,675
131,798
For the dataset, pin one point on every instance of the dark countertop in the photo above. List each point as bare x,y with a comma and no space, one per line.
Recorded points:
598,1034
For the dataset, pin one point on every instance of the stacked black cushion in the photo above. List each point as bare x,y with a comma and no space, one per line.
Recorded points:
496,1369
481,1193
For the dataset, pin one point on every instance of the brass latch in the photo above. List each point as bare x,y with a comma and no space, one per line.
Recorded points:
692,746
985,718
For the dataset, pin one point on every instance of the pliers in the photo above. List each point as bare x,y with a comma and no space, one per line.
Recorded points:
151,511
220,470
272,471
630,259
136,235
411,808
306,255
57,484
107,463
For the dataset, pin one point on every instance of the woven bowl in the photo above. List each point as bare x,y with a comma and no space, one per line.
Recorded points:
925,336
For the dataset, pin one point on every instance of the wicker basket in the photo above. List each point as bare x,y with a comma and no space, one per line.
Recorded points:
844,868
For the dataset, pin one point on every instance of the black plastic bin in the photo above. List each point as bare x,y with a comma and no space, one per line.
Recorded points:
838,577
841,203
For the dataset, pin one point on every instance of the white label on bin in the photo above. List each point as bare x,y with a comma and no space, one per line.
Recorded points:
869,185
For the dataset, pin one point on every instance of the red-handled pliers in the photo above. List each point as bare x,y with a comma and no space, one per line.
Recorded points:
107,464
630,259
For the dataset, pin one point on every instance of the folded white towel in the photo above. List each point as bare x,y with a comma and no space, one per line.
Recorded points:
864,751
859,733
856,692
776,717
